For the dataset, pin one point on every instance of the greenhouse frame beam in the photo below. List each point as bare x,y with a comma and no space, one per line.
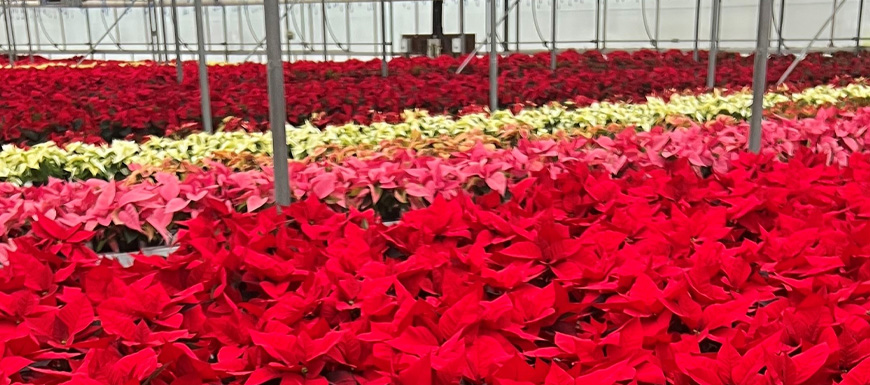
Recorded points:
553,36
860,20
93,47
10,33
205,96
806,49
488,37
179,64
384,69
714,44
277,102
759,74
697,35
493,57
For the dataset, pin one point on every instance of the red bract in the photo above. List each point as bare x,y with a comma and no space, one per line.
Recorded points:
754,275
129,215
110,101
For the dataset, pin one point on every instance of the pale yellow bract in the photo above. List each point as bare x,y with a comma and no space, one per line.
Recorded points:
81,161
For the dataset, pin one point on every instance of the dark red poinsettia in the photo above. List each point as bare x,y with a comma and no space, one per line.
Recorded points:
108,101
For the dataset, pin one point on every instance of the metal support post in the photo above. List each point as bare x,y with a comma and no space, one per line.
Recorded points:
323,26
714,45
27,28
517,29
507,31
697,29
780,39
658,23
493,58
226,32
277,102
806,49
287,28
205,97
462,25
860,21
833,24
179,64
6,25
604,25
62,25
759,74
384,70
597,24
163,29
482,45
552,36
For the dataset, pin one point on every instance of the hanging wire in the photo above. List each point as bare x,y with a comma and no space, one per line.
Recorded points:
44,31
296,28
538,27
652,40
250,27
777,29
329,29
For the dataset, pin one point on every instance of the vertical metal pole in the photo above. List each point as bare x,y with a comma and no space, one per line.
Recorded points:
323,25
462,25
179,70
860,21
287,28
493,58
27,27
163,29
384,70
375,44
597,24
205,97
347,25
552,36
506,27
833,24
392,29
517,29
759,75
277,102
604,26
226,33
8,25
780,39
714,45
697,29
658,24
62,27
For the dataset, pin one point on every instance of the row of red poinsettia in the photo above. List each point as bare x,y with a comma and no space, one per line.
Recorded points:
126,214
113,100
756,275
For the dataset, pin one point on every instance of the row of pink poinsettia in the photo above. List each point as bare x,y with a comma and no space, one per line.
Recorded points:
393,184
755,275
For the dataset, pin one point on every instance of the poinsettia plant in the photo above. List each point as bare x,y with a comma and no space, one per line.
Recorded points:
103,101
659,276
